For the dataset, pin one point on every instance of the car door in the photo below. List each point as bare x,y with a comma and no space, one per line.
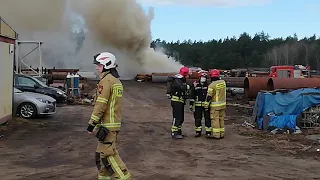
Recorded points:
25,84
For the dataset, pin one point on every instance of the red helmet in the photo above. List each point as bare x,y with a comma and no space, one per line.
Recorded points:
184,71
214,73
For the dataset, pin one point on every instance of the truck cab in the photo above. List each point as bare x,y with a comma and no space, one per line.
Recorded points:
297,71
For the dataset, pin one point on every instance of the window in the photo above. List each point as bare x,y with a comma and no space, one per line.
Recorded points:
23,81
40,82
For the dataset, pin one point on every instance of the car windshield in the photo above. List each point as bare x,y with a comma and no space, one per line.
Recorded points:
15,90
40,82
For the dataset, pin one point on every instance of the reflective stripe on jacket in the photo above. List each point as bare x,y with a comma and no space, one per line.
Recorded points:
177,99
217,90
198,94
108,103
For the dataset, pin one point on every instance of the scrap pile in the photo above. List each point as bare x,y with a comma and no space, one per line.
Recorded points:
56,77
143,77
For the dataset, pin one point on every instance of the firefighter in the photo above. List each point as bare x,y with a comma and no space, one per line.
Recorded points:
197,105
177,91
216,99
105,120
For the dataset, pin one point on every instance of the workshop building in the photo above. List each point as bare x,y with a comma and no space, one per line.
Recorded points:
7,43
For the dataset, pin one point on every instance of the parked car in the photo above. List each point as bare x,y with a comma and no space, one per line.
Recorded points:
28,83
29,105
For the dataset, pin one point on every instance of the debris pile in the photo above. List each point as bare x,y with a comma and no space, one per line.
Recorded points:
143,78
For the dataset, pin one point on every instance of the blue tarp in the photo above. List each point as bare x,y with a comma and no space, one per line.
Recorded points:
279,105
282,121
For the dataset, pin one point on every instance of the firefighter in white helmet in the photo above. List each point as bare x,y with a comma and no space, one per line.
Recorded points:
106,119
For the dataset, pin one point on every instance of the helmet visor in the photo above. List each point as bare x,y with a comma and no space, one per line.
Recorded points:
95,59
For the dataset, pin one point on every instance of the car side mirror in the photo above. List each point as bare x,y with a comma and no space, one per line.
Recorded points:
36,86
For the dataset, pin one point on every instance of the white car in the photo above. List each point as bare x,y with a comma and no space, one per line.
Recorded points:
29,105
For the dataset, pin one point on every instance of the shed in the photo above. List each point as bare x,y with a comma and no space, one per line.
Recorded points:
7,43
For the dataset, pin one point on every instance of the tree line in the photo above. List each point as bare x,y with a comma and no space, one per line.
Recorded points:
244,52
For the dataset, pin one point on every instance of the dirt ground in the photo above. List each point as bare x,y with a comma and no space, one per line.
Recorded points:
59,148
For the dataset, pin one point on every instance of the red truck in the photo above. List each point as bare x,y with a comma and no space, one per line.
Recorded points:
297,71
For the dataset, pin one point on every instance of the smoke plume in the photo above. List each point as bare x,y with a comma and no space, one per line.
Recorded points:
41,20
123,28
120,27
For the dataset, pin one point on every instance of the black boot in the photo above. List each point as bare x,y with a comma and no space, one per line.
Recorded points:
180,133
209,135
176,135
198,134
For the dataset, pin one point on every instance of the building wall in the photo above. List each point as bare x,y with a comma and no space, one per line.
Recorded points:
7,40
6,82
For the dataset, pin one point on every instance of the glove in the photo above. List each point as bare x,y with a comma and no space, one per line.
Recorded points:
191,108
168,96
195,83
91,127
102,133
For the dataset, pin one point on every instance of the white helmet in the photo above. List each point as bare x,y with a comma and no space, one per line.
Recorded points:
107,59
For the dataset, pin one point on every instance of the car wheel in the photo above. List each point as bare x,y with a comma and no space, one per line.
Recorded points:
27,110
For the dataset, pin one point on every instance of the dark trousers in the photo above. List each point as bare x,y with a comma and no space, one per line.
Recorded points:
178,117
198,114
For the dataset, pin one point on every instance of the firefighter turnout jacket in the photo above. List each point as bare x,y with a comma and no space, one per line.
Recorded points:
216,95
198,94
108,102
179,89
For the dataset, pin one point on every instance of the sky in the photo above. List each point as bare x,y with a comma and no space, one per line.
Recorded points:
214,19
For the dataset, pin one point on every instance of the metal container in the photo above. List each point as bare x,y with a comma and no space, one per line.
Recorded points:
52,77
252,85
234,81
159,79
87,75
50,71
292,83
235,90
68,83
76,81
72,84
163,74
